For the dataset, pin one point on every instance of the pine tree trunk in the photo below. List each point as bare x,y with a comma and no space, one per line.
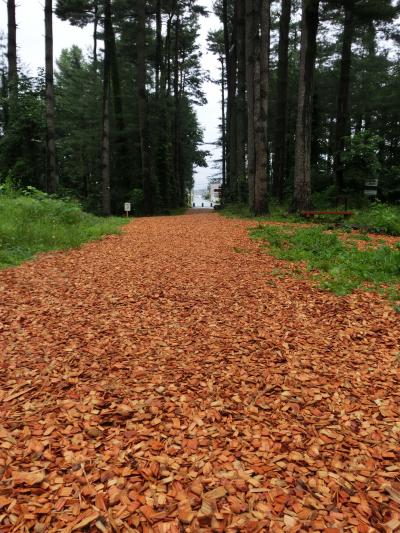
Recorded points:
223,125
52,178
342,113
122,159
370,47
228,80
180,186
142,106
308,51
12,45
105,149
250,70
168,53
95,26
4,95
158,55
261,109
105,137
282,102
241,121
231,131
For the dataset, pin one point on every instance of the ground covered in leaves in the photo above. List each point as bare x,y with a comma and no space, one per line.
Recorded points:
161,381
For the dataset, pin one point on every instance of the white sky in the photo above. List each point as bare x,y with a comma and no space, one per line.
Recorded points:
30,41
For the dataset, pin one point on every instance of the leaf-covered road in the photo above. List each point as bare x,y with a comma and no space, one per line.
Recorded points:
165,380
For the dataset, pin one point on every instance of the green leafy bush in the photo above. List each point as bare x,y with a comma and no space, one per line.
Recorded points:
379,217
361,159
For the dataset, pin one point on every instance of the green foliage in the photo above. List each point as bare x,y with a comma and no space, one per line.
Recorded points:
375,218
170,135
22,149
276,212
78,100
31,223
236,211
379,218
341,266
361,159
137,200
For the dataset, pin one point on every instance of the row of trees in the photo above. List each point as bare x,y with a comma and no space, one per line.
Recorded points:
310,93
313,92
119,125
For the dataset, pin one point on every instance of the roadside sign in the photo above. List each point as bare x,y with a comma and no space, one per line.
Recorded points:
127,208
371,187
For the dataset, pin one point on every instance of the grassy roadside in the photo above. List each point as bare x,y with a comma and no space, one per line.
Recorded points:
332,256
378,218
30,225
336,264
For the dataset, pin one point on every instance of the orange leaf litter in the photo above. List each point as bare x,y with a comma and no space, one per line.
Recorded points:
160,381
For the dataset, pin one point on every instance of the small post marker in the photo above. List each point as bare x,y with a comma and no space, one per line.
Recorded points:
127,208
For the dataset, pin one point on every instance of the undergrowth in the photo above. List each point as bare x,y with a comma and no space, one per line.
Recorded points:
277,213
35,223
379,218
337,265
376,218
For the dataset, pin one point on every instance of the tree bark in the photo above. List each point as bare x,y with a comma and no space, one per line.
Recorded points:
95,25
308,50
158,55
3,92
105,150
105,138
241,121
12,46
261,109
370,47
342,113
223,121
52,178
142,107
227,63
231,131
231,110
180,186
250,64
122,165
282,102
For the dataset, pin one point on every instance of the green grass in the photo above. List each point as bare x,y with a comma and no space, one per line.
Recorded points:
30,225
277,213
337,266
377,218
381,218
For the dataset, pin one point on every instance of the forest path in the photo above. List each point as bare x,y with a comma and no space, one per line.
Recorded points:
164,380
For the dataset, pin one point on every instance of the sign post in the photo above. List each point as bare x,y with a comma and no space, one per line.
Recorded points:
371,188
127,208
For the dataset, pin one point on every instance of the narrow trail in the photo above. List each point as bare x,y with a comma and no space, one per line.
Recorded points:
165,380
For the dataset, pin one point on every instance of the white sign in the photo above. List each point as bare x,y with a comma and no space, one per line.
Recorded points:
127,207
371,183
370,192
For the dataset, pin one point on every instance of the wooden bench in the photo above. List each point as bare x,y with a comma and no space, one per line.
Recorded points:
312,214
